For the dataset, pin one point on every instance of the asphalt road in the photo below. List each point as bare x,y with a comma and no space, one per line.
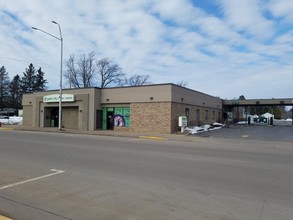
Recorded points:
97,177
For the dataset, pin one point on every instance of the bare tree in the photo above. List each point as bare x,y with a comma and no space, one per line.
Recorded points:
81,73
71,74
109,73
138,80
88,69
182,83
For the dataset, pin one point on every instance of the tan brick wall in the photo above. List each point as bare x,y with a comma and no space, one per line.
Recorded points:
178,109
150,117
163,117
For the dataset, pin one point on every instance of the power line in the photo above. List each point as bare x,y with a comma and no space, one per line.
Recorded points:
40,63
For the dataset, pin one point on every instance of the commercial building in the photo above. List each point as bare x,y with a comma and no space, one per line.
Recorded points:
148,108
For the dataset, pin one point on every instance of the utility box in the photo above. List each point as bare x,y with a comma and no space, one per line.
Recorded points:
182,122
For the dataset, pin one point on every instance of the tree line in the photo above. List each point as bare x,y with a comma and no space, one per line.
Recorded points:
82,72
11,91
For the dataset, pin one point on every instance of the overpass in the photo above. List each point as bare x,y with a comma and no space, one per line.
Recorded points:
258,102
228,105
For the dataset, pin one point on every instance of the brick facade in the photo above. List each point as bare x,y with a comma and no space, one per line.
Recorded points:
163,117
150,117
206,115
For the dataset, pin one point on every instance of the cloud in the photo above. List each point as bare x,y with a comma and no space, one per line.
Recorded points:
247,17
217,46
281,9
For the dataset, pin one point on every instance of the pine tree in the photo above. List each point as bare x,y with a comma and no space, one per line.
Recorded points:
32,81
28,79
4,88
15,93
40,82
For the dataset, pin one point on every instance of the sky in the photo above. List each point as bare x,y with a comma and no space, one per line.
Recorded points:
225,48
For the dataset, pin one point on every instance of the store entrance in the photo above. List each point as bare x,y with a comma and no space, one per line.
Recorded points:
110,120
54,118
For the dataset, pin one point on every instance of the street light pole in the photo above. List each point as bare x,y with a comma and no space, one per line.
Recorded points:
60,91
60,95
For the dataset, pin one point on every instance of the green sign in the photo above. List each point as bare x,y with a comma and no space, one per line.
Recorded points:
56,98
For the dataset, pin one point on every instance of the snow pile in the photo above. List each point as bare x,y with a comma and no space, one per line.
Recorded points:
242,123
204,128
13,120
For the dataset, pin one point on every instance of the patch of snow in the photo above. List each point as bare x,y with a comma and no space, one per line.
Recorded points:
241,123
13,120
204,128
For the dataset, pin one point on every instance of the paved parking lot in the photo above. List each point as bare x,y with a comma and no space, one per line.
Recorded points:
254,132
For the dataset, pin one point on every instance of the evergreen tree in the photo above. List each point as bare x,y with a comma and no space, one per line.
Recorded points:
33,81
277,112
15,97
4,88
40,82
28,79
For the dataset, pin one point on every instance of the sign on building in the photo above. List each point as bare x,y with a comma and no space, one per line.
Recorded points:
56,98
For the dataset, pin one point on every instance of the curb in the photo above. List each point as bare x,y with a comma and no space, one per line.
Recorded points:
172,137
3,128
4,218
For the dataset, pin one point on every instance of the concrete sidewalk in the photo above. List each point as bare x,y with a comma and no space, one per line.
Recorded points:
260,133
153,136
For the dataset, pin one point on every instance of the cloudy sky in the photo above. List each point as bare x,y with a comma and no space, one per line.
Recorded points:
225,48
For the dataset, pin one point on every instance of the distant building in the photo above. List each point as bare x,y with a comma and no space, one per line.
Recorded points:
267,115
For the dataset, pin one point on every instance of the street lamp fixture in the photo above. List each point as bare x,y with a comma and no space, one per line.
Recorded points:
60,92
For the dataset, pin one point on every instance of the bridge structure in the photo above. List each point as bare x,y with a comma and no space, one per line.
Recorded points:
228,105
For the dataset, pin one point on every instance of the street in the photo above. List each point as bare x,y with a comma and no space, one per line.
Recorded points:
59,176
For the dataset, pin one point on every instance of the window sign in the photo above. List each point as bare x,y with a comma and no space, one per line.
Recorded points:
122,117
118,118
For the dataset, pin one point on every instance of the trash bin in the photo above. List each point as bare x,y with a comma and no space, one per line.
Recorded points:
52,123
271,120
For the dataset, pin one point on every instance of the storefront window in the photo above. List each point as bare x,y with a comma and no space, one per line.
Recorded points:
207,115
197,114
122,117
117,116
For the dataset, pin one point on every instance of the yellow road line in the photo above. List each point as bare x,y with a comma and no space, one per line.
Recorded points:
152,137
4,218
